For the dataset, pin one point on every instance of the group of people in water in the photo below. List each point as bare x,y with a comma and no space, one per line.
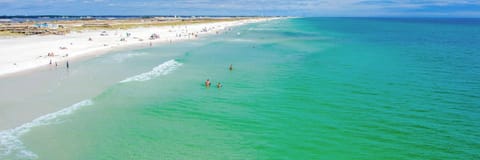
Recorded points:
208,84
219,85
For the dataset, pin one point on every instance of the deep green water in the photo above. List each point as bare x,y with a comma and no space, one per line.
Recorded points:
310,88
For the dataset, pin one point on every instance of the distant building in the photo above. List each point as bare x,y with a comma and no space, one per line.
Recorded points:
87,18
5,21
46,25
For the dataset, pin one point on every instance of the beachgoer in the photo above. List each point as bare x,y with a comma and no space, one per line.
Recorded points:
68,66
207,83
219,85
231,67
50,61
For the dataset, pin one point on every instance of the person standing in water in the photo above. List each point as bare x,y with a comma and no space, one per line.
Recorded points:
219,85
231,67
208,83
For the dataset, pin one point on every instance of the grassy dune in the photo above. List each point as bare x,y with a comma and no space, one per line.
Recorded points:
136,24
78,25
10,34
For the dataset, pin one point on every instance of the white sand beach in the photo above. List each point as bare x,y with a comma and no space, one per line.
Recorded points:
23,60
29,52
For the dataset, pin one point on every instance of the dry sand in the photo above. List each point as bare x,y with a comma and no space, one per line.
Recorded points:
25,53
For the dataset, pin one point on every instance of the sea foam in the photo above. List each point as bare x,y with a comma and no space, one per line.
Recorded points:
10,143
122,57
162,69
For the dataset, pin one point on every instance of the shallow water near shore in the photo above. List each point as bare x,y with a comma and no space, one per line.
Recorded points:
307,88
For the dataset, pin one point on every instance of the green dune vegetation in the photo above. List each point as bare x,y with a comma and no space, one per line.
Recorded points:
63,27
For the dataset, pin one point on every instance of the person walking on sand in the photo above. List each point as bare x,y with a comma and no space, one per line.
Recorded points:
208,83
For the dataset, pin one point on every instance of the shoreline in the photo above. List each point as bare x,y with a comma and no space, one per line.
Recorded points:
22,55
16,113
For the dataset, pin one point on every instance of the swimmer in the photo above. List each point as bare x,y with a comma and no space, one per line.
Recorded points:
208,83
231,67
219,85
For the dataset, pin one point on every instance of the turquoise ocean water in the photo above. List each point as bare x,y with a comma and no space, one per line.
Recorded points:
305,88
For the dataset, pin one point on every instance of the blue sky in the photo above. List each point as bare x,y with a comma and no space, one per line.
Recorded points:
408,8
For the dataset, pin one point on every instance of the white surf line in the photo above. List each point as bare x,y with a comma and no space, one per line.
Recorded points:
162,69
12,146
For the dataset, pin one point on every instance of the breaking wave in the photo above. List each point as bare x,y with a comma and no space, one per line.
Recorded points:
162,69
122,57
12,146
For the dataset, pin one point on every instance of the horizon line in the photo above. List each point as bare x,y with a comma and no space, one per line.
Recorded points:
151,16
